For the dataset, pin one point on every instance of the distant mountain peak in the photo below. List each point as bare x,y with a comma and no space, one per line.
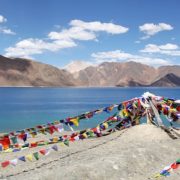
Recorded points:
76,66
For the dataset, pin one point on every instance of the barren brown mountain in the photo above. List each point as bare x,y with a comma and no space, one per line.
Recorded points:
124,74
22,72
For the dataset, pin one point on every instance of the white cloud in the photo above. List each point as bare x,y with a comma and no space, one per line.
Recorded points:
66,38
166,49
2,19
85,31
98,26
169,46
151,61
73,33
111,56
120,56
28,47
150,29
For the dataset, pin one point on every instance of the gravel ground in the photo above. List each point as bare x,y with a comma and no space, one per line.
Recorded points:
137,153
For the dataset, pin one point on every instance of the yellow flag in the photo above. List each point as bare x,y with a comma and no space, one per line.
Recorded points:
61,144
158,175
105,125
172,110
125,112
85,135
75,121
33,134
55,139
29,157
8,150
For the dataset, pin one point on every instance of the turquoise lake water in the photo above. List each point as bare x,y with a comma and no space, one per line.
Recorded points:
27,107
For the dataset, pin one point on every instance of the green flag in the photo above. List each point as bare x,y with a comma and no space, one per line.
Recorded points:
36,155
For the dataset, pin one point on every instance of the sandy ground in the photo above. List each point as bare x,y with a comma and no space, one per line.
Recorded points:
137,153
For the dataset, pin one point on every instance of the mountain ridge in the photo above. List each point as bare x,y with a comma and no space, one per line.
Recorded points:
124,74
24,72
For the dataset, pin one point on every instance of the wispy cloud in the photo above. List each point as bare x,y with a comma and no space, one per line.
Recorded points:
65,38
150,29
166,49
120,56
4,29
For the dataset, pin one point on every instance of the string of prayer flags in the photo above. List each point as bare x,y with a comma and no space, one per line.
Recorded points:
57,126
128,114
168,169
29,157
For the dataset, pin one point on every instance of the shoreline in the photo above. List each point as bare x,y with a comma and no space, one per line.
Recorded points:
98,87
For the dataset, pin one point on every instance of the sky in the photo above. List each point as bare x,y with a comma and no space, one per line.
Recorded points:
58,32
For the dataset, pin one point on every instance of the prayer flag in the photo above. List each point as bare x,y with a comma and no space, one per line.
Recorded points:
22,158
55,147
36,155
43,151
66,142
14,162
5,164
75,121
29,157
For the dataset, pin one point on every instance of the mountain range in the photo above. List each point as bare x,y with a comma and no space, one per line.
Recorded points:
128,74
24,72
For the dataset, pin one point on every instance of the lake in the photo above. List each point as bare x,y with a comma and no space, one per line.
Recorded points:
27,107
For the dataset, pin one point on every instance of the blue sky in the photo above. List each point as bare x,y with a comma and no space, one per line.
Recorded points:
58,32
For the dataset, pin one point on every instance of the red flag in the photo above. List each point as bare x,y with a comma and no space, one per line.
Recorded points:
34,144
5,164
43,151
174,166
5,141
